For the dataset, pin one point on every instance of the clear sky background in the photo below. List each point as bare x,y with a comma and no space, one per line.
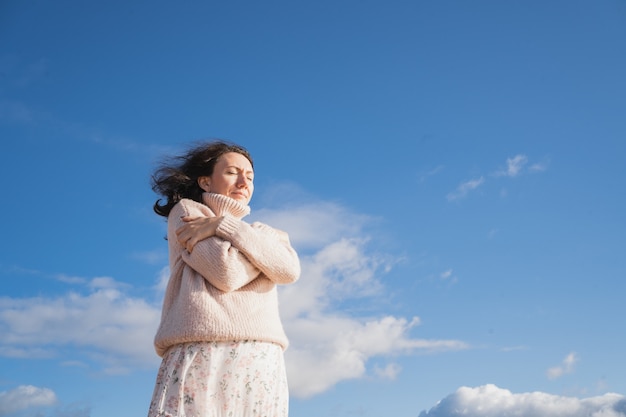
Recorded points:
452,174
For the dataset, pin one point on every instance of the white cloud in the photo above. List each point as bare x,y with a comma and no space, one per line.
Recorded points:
390,371
25,397
514,166
464,188
327,344
95,323
315,224
491,401
518,165
566,367
328,349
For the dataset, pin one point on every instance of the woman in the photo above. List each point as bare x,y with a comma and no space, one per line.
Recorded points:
220,336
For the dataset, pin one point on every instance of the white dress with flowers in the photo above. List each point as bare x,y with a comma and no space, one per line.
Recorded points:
221,379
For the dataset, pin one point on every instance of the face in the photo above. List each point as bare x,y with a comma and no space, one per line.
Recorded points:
232,176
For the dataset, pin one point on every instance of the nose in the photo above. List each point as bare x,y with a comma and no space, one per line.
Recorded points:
243,181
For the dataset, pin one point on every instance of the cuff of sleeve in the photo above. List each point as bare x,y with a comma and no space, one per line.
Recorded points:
228,226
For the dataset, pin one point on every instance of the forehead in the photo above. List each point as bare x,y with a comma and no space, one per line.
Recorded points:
235,159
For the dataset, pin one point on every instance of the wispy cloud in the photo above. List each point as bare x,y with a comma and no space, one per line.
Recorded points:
513,348
566,367
155,257
514,167
390,371
538,167
465,187
518,165
424,176
492,401
448,277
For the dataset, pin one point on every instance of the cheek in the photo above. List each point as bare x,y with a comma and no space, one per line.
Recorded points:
221,186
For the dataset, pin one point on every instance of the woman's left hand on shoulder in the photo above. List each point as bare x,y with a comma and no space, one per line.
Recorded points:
196,229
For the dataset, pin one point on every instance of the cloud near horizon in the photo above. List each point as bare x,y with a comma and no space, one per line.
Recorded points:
492,401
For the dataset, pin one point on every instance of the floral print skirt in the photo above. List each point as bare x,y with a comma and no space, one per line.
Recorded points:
221,379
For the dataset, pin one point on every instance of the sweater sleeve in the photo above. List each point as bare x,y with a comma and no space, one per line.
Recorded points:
215,258
267,249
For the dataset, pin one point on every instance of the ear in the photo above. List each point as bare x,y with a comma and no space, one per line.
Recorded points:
205,183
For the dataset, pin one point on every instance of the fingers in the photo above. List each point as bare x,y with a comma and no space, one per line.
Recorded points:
189,245
184,236
194,230
186,240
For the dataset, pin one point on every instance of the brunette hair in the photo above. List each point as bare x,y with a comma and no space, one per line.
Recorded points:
177,177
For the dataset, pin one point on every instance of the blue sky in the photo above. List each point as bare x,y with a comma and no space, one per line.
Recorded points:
452,174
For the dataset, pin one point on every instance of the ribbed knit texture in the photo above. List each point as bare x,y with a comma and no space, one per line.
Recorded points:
225,289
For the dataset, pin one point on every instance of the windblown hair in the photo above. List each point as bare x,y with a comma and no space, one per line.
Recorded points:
177,177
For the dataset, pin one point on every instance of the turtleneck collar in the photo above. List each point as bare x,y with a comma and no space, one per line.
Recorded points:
221,205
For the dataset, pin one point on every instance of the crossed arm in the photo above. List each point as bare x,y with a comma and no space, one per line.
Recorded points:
230,253
196,229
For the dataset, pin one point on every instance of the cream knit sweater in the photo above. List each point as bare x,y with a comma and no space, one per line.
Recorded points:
225,289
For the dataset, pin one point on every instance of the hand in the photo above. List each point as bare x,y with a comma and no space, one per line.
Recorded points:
196,229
